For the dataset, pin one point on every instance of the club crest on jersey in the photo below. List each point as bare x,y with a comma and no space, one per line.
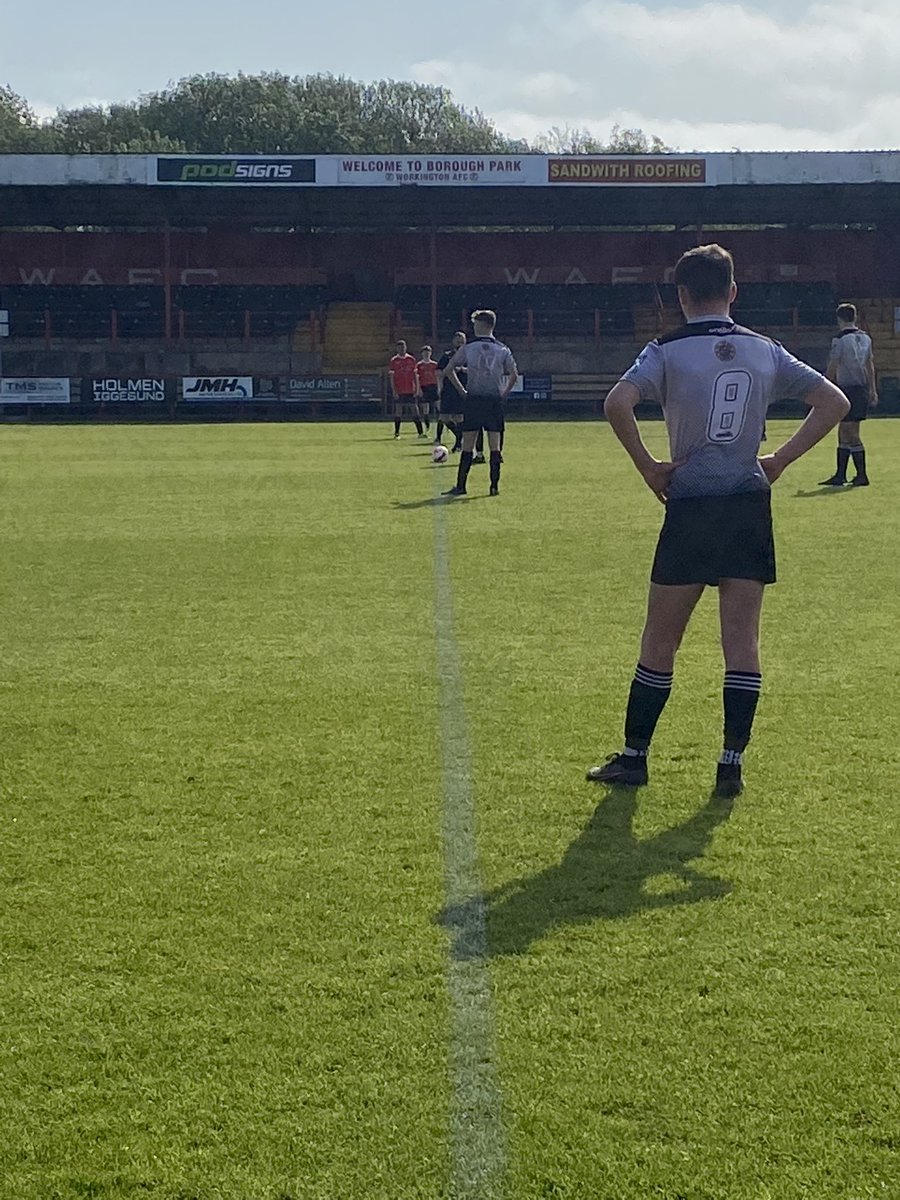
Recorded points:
725,351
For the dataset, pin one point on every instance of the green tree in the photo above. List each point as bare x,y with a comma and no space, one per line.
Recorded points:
273,113
116,129
581,141
20,132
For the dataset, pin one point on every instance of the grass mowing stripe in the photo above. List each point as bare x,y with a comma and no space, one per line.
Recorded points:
478,1148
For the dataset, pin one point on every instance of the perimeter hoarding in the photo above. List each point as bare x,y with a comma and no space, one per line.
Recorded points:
206,388
432,170
236,170
633,169
337,388
435,170
124,391
35,391
759,168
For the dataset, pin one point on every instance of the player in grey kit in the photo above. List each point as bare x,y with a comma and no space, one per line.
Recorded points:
491,375
714,380
851,367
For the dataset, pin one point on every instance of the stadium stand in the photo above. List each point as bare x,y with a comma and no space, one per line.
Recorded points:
98,312
292,285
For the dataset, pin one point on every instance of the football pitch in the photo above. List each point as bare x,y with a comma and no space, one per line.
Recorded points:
305,896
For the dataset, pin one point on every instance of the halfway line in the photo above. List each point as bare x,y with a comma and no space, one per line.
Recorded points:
478,1140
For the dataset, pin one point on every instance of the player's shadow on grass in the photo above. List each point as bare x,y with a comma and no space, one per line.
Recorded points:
432,501
823,491
428,502
607,873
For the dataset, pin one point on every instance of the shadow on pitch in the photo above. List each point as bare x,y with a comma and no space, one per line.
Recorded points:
434,501
428,502
824,491
606,874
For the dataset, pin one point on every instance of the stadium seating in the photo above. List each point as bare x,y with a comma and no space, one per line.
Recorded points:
235,311
85,312
139,311
626,311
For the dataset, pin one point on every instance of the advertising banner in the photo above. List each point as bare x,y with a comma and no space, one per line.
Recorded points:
236,170
317,388
124,391
475,170
533,387
629,169
266,388
34,391
228,388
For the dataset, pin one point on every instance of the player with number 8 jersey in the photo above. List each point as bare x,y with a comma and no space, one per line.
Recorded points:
714,379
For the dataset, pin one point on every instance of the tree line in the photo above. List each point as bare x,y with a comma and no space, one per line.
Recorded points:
273,113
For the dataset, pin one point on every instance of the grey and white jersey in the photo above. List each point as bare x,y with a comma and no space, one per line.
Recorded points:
488,363
850,351
715,380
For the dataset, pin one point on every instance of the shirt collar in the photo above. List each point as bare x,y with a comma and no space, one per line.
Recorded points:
711,317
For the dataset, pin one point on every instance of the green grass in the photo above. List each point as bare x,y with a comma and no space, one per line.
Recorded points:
223,965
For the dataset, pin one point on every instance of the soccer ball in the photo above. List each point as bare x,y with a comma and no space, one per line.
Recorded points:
440,454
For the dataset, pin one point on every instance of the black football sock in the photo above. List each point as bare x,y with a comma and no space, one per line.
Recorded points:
843,457
740,696
439,431
419,429
858,454
495,468
479,442
462,474
649,692
396,428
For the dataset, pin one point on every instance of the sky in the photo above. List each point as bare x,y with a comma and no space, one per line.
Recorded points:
769,75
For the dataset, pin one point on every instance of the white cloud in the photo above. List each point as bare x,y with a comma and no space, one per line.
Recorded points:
819,75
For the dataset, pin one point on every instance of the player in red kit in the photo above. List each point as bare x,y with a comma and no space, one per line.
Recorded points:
426,372
406,390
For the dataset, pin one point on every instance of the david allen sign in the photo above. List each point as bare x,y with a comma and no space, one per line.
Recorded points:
313,388
632,169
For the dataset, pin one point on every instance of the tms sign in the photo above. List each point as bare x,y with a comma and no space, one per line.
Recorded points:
217,387
34,391
236,170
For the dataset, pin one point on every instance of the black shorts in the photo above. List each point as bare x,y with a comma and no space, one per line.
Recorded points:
482,412
450,402
708,538
429,393
858,395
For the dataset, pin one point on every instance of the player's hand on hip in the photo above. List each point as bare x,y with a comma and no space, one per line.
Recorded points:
873,399
772,467
658,476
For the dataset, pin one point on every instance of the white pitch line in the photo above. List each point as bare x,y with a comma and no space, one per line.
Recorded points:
478,1139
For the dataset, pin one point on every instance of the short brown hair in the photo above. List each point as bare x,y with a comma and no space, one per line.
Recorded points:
484,316
705,272
846,312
